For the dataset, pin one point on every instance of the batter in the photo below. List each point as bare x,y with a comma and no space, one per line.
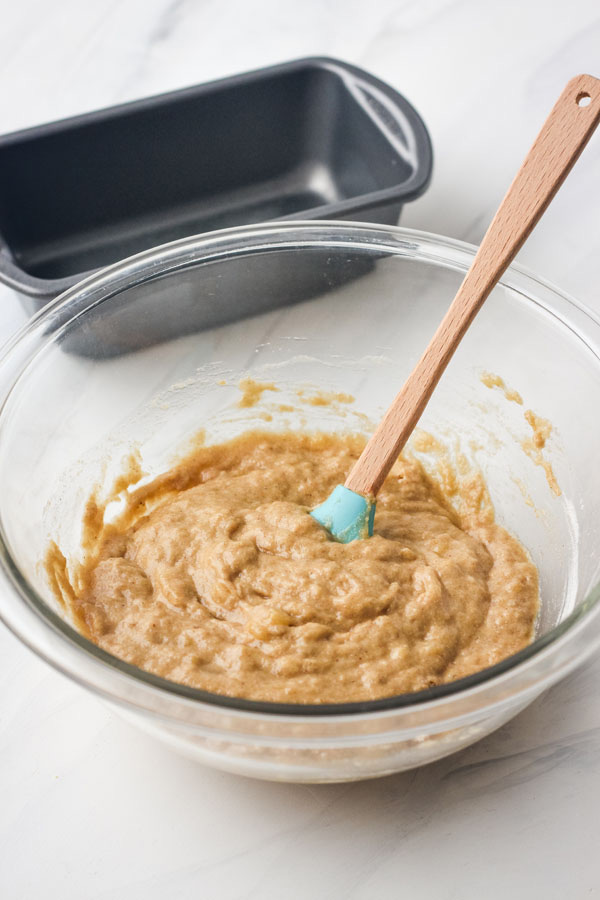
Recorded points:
218,578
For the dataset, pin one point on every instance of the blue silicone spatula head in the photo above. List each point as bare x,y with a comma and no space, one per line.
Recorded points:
347,515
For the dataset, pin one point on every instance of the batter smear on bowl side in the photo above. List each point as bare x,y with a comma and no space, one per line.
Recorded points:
217,577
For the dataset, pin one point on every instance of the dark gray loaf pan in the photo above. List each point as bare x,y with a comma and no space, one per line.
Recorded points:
310,139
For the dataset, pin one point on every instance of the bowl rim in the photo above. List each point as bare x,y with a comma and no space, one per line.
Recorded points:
36,617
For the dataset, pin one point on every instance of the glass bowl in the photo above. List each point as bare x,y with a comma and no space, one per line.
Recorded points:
137,355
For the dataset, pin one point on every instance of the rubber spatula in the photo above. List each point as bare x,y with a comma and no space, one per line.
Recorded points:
349,511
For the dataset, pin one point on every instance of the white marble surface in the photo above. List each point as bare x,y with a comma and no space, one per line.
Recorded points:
90,809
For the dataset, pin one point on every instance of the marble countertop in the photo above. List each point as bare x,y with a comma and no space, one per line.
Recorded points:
91,809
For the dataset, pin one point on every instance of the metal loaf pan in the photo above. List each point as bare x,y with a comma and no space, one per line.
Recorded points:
310,139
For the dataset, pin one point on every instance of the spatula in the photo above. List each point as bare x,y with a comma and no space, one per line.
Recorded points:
349,511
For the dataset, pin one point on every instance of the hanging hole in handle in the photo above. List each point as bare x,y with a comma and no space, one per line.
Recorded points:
583,99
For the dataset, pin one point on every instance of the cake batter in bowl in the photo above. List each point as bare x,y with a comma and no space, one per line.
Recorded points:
216,576
122,372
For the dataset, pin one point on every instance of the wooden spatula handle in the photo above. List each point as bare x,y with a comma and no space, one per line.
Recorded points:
557,147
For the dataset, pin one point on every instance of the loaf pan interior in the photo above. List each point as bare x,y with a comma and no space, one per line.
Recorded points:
84,193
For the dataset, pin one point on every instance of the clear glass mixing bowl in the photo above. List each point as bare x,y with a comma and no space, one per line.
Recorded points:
136,355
